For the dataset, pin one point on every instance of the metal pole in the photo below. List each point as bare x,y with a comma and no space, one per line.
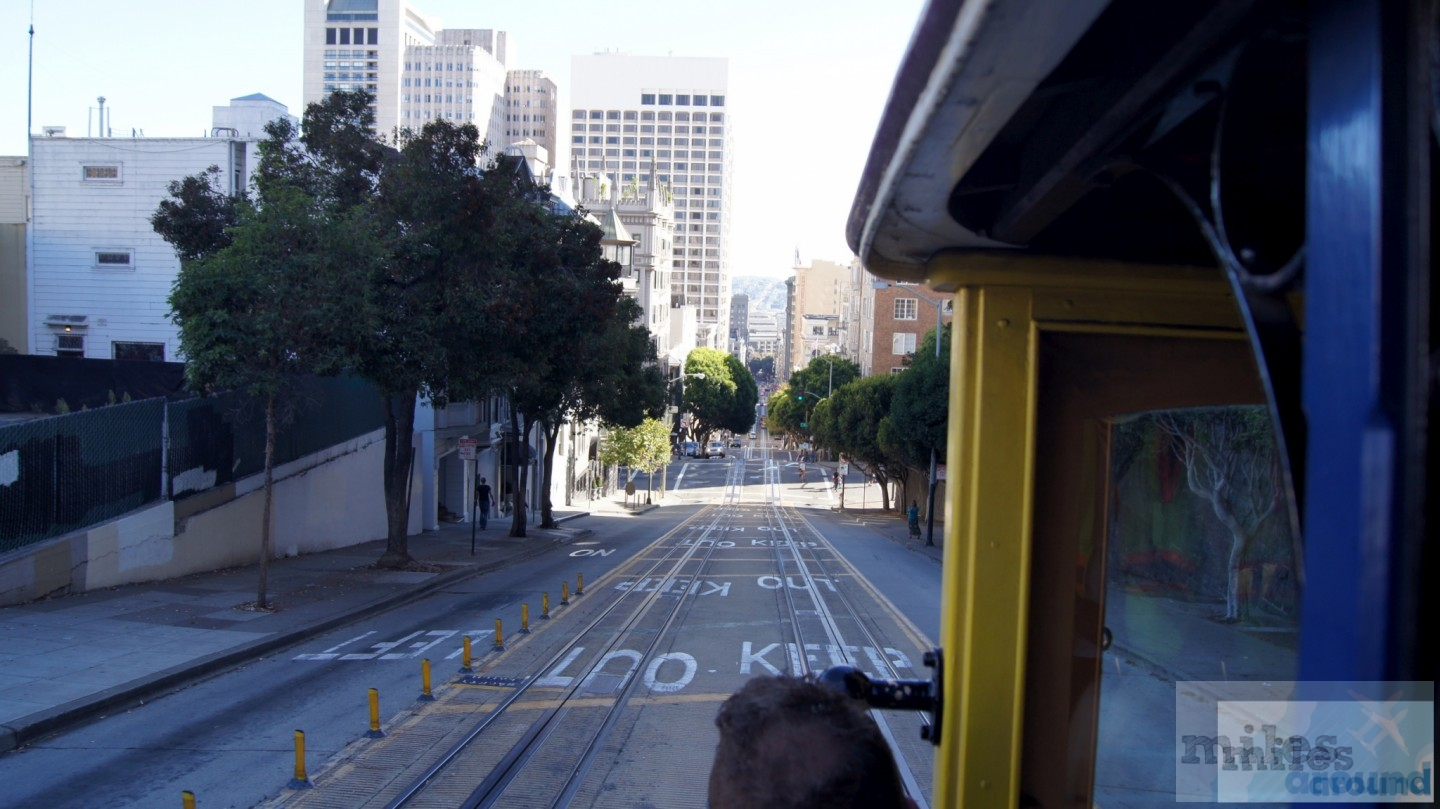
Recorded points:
930,517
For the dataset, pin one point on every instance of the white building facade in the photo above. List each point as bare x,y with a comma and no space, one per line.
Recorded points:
99,275
634,116
419,71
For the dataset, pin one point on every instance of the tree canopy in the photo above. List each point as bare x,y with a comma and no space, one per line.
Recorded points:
919,416
719,393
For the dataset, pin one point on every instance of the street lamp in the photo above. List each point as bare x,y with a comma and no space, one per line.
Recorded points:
831,362
930,507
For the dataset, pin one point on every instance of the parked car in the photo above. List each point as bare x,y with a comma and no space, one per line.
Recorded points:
717,449
735,442
690,449
752,435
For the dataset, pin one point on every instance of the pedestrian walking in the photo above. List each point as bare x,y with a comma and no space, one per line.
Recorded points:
914,519
484,499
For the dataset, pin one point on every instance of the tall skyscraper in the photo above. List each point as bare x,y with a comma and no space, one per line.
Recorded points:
633,116
419,71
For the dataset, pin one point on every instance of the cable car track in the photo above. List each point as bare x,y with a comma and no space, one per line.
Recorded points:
545,741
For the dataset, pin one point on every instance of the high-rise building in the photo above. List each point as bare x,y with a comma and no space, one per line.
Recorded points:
632,116
419,71
532,110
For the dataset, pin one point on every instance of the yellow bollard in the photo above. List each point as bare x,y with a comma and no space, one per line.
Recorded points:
545,607
499,637
524,619
425,695
579,584
187,799
301,780
374,732
564,593
465,660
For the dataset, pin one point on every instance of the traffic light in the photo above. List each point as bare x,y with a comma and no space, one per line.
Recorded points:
799,397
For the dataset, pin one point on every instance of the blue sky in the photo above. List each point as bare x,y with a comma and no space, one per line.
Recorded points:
822,70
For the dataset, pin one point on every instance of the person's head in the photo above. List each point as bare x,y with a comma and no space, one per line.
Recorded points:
482,480
790,743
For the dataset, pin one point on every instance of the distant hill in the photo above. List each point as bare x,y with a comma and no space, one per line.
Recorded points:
767,293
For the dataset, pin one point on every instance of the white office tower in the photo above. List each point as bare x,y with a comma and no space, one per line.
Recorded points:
634,115
532,112
416,70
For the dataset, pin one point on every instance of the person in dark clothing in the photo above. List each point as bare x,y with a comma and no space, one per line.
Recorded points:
791,743
484,499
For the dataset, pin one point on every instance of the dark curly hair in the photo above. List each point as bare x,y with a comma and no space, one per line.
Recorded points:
789,743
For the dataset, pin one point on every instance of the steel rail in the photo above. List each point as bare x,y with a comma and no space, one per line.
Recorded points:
510,763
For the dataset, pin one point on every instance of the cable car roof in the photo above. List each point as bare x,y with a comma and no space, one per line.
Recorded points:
1067,128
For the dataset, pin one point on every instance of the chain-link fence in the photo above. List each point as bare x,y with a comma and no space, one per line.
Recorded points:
62,473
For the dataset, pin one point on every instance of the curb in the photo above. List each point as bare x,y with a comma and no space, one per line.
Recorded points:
41,723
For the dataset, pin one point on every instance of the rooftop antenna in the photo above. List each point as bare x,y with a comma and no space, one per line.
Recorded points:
101,99
30,79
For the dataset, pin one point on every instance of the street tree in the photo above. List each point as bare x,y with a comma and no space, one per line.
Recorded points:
785,413
642,448
559,302
920,412
263,301
446,231
719,393
611,375
823,375
852,424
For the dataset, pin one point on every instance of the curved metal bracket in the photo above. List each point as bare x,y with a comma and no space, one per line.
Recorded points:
914,695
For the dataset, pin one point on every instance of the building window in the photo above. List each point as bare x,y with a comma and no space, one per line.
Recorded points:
146,352
717,101
101,174
905,308
70,345
647,99
666,99
700,101
114,260
902,343
682,100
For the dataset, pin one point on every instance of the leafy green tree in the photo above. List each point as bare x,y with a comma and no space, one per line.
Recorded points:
785,412
762,367
452,234
197,218
643,448
740,416
266,305
824,375
852,423
719,393
920,413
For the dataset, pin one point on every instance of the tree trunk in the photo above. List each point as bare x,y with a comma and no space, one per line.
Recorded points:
547,512
517,511
399,435
262,596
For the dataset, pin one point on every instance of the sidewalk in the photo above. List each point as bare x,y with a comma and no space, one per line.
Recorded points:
893,527
67,658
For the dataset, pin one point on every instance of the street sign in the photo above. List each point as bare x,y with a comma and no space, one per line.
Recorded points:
467,448
844,469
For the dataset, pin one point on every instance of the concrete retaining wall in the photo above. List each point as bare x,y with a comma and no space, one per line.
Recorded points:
328,500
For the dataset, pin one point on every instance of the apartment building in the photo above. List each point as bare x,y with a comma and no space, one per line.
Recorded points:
633,116
815,326
901,314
